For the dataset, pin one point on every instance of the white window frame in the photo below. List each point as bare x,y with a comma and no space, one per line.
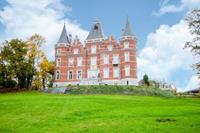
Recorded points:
116,59
110,47
126,56
105,59
71,61
116,72
57,75
93,49
126,45
76,51
93,60
106,72
127,70
70,77
79,76
58,62
79,61
59,51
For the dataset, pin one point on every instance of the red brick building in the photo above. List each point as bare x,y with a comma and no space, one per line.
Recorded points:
100,60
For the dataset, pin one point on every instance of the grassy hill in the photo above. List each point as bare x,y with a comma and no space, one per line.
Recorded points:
117,89
54,113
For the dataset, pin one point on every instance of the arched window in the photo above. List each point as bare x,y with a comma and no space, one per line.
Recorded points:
57,75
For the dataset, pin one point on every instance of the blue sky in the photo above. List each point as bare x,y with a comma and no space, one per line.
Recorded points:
158,25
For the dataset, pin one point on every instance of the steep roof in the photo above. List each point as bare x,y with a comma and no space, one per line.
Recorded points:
127,29
64,37
96,31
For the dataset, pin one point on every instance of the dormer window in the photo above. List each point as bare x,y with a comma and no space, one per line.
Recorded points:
126,45
95,27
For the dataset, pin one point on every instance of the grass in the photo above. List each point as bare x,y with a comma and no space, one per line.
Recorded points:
58,113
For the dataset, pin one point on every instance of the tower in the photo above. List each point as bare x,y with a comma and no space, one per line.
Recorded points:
61,48
128,55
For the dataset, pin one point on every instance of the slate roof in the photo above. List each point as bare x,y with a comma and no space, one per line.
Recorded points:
64,37
127,29
96,31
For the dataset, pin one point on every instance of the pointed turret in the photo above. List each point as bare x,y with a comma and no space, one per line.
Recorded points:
64,37
96,31
127,29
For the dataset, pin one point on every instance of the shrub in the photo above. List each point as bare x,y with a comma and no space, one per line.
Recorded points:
116,89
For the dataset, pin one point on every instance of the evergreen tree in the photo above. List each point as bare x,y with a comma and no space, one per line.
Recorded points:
146,80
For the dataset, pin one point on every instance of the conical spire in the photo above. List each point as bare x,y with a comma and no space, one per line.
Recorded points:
96,31
127,30
64,37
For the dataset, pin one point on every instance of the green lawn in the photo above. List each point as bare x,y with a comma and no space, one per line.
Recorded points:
51,113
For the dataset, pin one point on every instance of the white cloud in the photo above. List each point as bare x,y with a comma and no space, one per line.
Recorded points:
170,8
23,18
194,83
164,54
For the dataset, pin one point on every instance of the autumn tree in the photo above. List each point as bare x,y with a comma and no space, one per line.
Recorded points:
193,20
35,55
46,70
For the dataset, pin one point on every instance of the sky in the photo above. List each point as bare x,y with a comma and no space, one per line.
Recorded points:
159,26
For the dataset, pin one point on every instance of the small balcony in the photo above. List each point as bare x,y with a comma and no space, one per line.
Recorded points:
115,62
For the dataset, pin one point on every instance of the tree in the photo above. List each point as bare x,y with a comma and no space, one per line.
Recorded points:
46,70
14,63
35,55
193,20
25,62
146,80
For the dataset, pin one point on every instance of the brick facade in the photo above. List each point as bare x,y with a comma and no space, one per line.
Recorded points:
100,60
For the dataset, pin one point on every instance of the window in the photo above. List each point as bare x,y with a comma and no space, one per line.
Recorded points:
57,75
71,61
58,52
126,45
58,62
93,60
79,62
106,59
79,75
115,59
70,75
127,57
75,51
106,72
127,70
93,49
115,72
110,47
95,27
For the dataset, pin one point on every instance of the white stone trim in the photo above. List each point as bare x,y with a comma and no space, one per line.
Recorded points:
131,81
